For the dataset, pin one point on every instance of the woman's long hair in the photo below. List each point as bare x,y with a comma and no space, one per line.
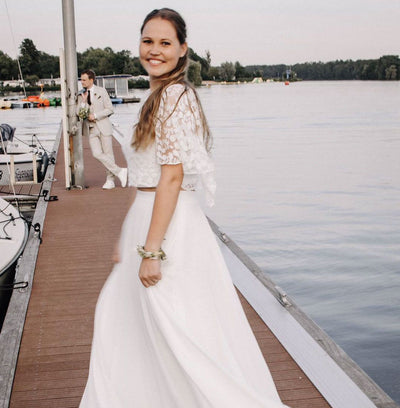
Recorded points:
144,133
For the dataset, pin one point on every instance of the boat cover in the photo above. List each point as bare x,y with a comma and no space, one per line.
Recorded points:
7,134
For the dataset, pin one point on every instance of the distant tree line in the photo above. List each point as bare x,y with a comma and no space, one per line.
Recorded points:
41,65
384,68
37,64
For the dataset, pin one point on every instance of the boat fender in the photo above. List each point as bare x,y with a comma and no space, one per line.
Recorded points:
43,167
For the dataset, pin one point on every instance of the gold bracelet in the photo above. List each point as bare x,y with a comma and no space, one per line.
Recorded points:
160,254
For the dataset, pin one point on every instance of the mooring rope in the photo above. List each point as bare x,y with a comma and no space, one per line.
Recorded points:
11,219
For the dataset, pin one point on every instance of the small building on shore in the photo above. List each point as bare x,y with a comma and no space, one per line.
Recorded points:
117,87
14,83
49,81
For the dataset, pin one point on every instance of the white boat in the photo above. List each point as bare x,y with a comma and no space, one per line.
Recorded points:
24,168
20,166
4,104
21,104
13,237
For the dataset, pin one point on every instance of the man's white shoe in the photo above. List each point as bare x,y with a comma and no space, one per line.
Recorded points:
123,176
108,185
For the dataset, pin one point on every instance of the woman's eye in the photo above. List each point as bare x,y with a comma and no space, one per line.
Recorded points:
146,41
165,43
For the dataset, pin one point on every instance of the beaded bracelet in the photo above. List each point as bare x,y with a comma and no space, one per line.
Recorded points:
160,254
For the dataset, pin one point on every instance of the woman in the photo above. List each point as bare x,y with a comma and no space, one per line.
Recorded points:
169,328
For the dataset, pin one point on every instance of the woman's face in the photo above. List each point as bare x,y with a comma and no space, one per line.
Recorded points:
160,49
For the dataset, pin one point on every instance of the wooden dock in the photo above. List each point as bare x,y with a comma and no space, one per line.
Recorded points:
73,262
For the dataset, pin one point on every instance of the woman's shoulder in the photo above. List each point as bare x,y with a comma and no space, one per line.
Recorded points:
175,89
174,92
178,96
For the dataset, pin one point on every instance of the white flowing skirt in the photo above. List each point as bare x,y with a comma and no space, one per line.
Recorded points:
183,343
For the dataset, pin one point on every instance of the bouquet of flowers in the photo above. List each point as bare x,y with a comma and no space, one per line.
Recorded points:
83,112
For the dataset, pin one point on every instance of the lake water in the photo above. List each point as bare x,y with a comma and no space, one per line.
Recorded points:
309,186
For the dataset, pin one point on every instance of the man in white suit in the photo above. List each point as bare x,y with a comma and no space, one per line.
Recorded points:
99,128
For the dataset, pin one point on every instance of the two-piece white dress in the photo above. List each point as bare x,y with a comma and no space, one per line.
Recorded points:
185,342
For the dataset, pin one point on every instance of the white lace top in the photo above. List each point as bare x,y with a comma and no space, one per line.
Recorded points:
179,139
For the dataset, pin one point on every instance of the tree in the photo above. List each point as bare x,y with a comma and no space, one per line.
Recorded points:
391,72
120,60
8,67
227,71
208,57
106,61
205,66
32,80
49,66
214,73
134,67
368,70
385,62
96,59
29,58
194,73
240,71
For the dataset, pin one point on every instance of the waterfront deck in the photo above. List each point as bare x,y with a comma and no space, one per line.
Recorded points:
73,262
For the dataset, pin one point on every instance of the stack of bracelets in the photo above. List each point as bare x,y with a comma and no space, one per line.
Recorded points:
160,254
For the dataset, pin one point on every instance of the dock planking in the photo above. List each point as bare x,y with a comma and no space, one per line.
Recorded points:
73,263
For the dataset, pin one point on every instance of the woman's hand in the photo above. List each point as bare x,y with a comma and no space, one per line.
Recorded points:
167,193
149,272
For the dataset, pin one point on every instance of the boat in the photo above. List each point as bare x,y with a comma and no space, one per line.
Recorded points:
23,168
56,101
20,104
20,166
37,100
13,238
4,104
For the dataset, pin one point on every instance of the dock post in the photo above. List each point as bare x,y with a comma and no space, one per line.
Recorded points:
71,67
67,150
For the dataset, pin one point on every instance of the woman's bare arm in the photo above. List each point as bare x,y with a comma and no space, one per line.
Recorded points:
164,206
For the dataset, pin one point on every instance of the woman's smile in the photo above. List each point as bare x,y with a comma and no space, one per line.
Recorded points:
153,61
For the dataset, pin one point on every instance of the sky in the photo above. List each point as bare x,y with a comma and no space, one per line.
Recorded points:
249,31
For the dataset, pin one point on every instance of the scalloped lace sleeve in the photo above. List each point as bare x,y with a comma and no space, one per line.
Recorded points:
170,120
179,139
